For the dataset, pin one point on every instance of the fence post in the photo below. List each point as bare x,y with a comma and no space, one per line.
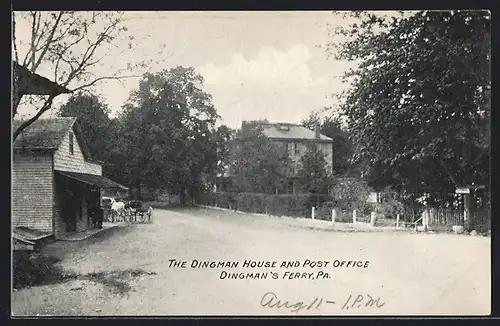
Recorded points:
397,221
334,215
312,212
467,212
373,218
425,219
354,216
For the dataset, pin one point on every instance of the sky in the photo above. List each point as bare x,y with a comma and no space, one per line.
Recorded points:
256,65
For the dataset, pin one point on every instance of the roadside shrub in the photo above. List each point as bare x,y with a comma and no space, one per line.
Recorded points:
325,212
34,268
389,208
296,205
351,194
280,205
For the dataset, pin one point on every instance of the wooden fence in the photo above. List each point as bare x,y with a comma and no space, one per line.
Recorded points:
445,216
481,217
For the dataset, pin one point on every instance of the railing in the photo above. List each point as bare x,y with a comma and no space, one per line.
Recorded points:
414,224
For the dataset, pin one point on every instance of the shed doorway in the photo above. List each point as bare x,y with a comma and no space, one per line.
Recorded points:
70,195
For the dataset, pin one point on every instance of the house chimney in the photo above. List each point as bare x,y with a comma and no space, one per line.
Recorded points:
317,132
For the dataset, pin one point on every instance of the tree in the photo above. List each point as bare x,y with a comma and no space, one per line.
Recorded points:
343,148
222,138
71,45
169,134
314,176
419,104
93,117
101,132
257,165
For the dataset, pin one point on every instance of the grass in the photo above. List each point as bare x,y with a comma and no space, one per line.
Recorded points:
116,280
41,269
35,269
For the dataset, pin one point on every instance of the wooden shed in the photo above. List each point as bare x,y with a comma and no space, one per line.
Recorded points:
54,180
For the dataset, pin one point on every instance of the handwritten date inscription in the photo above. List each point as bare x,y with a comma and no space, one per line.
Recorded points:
271,300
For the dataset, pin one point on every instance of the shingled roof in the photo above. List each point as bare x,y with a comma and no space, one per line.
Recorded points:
43,133
286,131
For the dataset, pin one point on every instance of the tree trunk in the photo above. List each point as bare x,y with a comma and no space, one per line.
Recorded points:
136,190
182,196
15,102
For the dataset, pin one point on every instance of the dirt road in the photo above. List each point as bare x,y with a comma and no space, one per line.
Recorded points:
129,271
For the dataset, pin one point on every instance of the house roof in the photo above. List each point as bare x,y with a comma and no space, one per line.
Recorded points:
30,83
93,179
43,133
287,131
48,134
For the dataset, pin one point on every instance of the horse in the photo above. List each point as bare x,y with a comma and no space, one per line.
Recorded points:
118,209
129,209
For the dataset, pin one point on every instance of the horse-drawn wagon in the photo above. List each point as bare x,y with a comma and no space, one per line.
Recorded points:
141,209
116,210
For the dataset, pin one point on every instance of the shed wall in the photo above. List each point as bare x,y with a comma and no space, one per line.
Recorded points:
32,190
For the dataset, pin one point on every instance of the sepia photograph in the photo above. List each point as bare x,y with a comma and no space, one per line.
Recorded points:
251,163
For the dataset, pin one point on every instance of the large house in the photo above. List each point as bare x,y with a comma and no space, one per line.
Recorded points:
295,138
54,181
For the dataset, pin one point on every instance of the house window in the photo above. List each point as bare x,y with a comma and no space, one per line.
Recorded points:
296,149
71,143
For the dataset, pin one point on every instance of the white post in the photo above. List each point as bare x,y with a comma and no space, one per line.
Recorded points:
354,216
397,221
312,212
334,215
466,215
373,218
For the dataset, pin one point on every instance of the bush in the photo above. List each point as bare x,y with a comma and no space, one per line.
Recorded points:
389,208
298,205
325,212
34,269
351,194
280,205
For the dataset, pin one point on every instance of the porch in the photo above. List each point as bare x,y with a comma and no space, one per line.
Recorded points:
79,236
77,204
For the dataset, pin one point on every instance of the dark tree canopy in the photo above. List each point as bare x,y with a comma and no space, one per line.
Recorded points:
257,165
331,126
419,106
314,175
93,117
169,133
